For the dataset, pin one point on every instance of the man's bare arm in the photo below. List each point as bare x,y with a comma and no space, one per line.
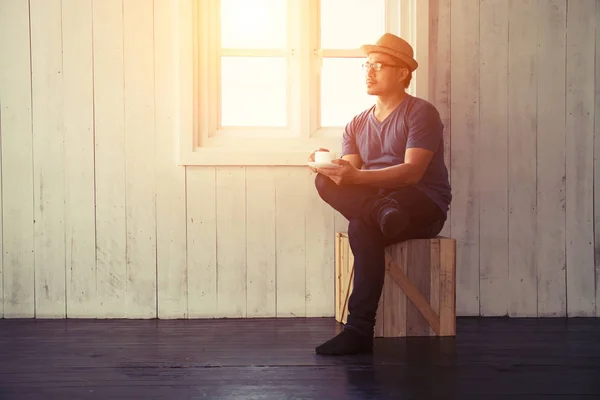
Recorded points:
410,172
354,159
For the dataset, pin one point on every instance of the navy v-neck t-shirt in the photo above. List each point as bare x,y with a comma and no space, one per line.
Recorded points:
414,123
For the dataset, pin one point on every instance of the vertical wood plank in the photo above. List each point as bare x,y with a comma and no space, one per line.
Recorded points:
395,314
338,275
48,154
260,241
138,32
290,239
202,241
1,223
348,277
231,242
80,229
439,79
493,158
551,271
340,222
320,222
581,19
522,128
109,126
465,145
343,277
170,178
596,161
16,146
419,273
434,278
448,268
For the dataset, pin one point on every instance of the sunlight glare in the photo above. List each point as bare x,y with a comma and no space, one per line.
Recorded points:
343,92
257,24
347,24
254,91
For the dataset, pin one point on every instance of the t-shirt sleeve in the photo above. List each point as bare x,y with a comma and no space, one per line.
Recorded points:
425,129
349,140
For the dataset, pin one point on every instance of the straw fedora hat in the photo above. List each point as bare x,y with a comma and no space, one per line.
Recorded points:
394,46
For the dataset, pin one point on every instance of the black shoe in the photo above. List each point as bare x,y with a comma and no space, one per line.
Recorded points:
392,222
387,214
346,343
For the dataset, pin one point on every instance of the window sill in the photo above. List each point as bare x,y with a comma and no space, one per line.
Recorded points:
256,152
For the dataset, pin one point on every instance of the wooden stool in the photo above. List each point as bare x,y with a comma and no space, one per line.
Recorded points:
419,293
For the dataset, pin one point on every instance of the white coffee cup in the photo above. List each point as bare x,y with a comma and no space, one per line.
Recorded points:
324,157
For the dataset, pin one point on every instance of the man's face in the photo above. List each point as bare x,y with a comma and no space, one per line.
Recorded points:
389,79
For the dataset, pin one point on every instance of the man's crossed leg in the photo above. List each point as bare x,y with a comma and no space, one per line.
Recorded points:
377,218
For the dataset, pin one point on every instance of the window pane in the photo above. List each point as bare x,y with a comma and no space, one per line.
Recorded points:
258,24
343,91
253,91
347,24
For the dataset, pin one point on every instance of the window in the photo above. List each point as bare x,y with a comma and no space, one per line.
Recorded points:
263,82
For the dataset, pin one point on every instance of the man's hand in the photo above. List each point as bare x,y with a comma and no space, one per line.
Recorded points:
346,174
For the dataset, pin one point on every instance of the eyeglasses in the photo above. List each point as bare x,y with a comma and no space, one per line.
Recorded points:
378,65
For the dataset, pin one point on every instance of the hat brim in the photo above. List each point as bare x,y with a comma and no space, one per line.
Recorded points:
369,48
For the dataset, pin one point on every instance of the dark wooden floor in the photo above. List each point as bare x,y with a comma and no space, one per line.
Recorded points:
275,359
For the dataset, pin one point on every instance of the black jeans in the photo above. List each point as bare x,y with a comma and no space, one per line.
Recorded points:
357,203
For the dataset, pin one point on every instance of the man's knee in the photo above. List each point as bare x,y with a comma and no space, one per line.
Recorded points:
324,186
362,233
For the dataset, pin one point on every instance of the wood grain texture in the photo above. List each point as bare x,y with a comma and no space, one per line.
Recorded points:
419,290
201,239
447,288
597,162
109,127
466,130
48,158
1,224
395,302
276,360
440,59
320,223
80,213
419,313
291,241
171,263
340,222
522,144
16,146
493,158
550,235
581,296
105,115
434,276
261,256
231,242
140,151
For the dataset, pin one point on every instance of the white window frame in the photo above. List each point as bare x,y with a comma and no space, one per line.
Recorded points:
201,142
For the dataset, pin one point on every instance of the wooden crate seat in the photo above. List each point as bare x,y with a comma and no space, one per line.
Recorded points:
419,293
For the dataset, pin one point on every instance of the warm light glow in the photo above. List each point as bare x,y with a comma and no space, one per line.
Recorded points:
347,24
254,84
254,24
343,91
253,91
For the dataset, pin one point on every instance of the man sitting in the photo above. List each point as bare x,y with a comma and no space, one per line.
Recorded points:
392,184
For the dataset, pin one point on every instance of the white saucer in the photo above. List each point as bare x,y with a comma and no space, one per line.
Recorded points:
323,165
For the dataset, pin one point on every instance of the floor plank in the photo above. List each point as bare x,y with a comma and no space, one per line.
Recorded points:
274,359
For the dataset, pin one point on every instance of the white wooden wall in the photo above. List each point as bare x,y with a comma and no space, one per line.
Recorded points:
98,221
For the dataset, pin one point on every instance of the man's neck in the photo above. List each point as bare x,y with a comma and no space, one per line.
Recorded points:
386,104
